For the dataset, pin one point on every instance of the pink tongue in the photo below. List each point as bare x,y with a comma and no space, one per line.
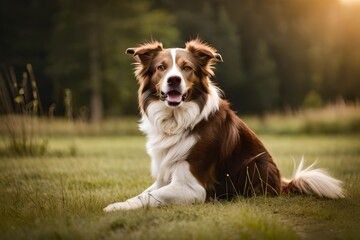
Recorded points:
174,97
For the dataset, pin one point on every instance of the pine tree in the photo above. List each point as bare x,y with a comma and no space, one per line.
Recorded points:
262,83
87,51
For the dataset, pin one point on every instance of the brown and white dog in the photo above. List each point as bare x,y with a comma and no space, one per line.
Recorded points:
200,149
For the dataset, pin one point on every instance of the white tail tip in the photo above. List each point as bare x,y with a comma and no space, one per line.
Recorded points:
312,181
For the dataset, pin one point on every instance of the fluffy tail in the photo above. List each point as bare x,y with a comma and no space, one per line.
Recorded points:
312,181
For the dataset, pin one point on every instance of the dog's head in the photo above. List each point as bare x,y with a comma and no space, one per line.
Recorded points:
174,75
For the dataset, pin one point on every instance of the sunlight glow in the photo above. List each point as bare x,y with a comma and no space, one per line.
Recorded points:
350,2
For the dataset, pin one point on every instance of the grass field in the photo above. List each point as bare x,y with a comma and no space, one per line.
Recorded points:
61,194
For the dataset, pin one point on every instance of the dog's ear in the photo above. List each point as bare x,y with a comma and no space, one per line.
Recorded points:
145,52
205,54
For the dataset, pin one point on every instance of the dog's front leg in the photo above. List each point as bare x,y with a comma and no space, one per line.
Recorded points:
183,189
131,203
171,194
153,187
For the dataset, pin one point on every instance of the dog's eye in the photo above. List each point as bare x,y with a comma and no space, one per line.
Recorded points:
161,68
187,68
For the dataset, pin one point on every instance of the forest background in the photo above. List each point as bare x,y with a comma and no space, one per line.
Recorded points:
278,54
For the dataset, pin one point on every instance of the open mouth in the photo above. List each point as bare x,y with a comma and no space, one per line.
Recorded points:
173,97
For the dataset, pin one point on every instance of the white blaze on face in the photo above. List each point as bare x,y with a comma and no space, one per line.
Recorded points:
174,92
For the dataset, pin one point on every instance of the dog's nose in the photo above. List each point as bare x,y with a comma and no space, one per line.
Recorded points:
174,81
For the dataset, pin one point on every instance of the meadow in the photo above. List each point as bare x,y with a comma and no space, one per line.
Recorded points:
61,194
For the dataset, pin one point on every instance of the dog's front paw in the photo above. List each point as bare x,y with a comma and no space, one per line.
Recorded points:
117,206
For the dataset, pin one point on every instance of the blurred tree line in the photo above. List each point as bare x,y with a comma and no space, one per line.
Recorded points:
277,54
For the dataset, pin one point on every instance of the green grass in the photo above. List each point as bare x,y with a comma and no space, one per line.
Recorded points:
61,195
336,118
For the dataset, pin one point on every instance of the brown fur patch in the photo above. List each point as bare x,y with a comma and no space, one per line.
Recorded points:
230,160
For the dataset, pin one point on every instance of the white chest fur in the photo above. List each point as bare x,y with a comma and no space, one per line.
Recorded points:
169,138
169,133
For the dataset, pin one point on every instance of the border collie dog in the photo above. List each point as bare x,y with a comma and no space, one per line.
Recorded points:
199,148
